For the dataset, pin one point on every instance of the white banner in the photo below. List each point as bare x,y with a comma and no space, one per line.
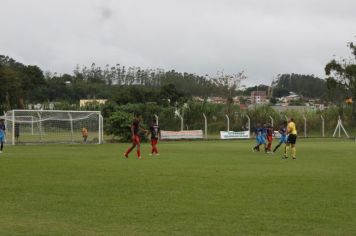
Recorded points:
185,134
234,135
277,134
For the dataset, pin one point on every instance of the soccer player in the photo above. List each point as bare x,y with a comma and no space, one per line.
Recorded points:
85,134
264,137
284,136
135,137
17,131
260,138
292,138
155,135
269,134
2,135
256,134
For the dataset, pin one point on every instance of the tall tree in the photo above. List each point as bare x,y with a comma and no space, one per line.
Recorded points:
229,84
17,80
306,85
344,73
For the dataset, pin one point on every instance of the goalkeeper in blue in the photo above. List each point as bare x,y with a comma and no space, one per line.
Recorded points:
284,136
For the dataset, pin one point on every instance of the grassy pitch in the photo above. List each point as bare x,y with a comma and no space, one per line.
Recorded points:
192,188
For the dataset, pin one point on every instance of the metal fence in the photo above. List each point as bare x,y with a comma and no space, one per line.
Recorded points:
308,126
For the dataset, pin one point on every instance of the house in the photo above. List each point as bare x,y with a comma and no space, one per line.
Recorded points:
216,100
291,97
86,102
243,107
198,99
258,97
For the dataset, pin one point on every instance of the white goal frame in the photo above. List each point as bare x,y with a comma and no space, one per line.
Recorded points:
10,117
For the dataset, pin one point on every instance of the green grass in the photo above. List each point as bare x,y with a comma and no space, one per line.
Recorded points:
193,188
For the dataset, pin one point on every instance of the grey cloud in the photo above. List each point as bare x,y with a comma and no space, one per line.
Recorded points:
264,38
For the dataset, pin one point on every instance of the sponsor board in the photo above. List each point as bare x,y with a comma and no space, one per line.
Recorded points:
234,134
185,134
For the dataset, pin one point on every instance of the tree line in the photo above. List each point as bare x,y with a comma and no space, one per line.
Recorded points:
23,84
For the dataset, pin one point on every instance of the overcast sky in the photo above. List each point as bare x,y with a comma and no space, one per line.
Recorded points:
262,37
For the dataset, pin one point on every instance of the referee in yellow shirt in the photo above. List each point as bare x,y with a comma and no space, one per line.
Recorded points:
292,139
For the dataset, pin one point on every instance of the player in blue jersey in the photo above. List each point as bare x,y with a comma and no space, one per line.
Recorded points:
284,136
264,135
260,138
256,133
2,135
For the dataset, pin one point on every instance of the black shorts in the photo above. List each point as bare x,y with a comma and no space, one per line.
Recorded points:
292,138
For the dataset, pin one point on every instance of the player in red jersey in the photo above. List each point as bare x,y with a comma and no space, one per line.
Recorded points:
135,137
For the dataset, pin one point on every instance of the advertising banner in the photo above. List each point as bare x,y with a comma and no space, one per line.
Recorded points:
234,135
185,134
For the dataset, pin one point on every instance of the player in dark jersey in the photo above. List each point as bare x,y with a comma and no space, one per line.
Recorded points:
155,135
135,137
269,135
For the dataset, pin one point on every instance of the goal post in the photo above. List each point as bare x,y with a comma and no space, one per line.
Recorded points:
52,126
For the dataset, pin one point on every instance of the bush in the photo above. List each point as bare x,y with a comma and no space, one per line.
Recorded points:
118,125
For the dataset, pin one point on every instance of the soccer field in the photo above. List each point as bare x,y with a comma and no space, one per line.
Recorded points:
192,188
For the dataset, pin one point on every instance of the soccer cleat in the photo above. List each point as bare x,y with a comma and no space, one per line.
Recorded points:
157,154
125,155
139,158
294,158
150,154
284,157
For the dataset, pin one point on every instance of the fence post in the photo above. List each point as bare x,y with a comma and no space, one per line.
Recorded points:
322,126
101,129
181,123
40,125
156,117
305,126
71,126
272,121
249,126
228,122
13,127
205,126
181,119
339,126
32,125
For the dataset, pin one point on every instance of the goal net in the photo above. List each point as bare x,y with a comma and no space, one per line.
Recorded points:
52,126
